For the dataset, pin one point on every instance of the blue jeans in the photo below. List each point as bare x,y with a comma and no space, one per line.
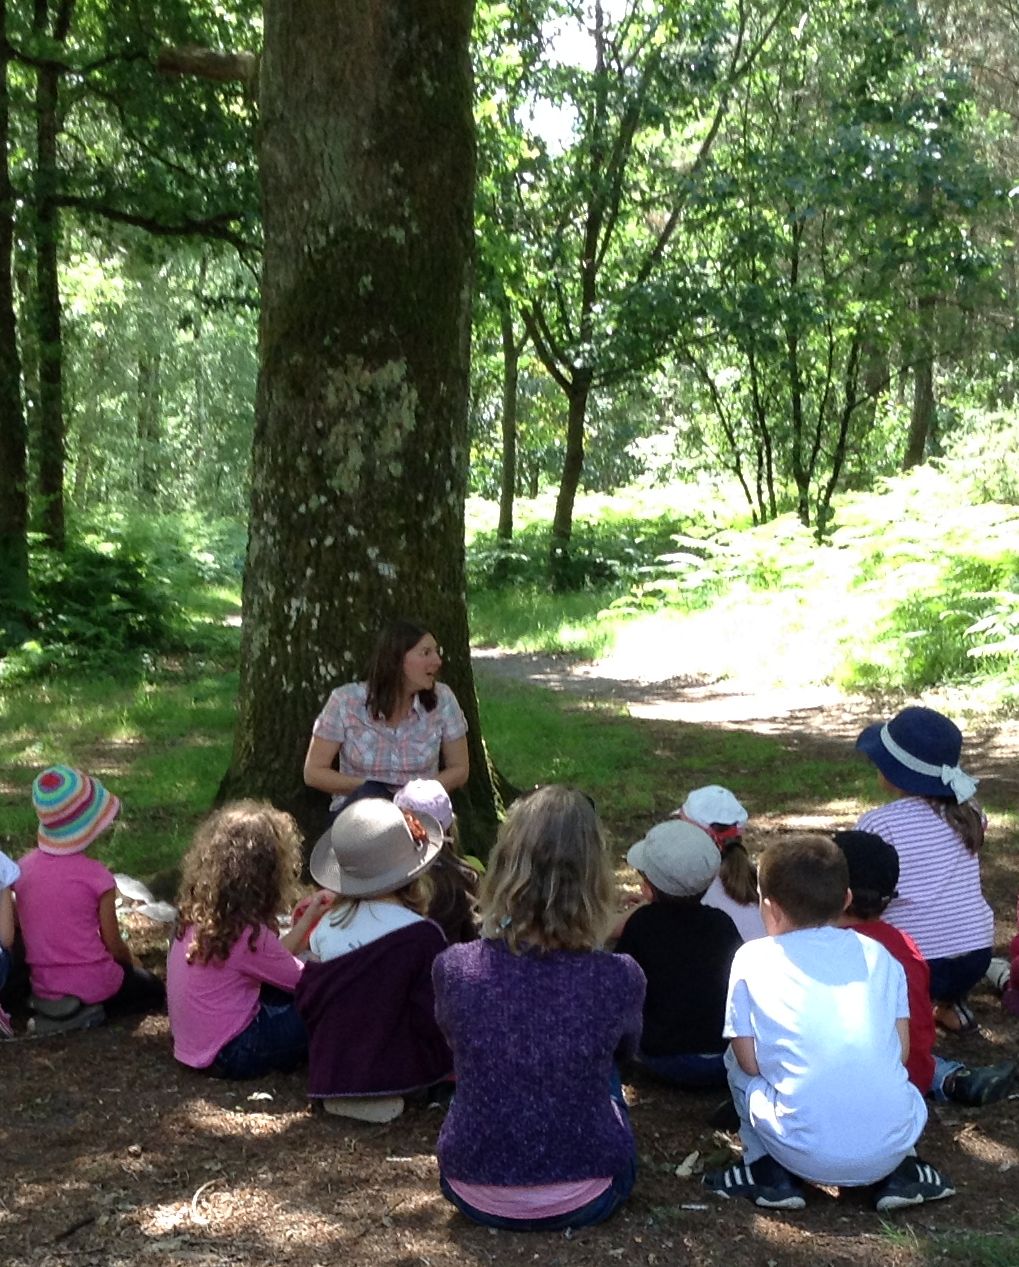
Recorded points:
5,966
943,1070
595,1211
953,978
275,1040
687,1069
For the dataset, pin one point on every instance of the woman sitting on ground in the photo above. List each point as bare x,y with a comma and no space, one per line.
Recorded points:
399,724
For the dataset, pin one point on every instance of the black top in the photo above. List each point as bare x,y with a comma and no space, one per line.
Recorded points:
686,952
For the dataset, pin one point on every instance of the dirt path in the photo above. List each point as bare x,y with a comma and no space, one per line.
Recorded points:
112,1154
822,718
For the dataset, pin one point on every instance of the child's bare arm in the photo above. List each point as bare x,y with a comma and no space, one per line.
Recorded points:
902,1025
296,939
745,1051
109,930
6,919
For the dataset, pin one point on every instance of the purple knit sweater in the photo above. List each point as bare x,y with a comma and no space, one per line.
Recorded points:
534,1037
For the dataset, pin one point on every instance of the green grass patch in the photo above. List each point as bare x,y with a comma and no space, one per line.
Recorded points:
161,744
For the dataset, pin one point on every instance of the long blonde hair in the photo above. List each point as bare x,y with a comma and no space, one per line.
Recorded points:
549,881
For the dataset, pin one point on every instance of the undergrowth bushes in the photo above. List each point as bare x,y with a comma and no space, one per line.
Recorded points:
115,597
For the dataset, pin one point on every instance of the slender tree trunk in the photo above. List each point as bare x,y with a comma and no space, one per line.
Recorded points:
14,583
149,409
573,465
49,427
360,449
510,377
921,420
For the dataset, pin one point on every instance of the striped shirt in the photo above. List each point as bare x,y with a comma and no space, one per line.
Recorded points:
940,903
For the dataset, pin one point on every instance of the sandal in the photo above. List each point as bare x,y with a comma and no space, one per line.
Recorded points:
955,1018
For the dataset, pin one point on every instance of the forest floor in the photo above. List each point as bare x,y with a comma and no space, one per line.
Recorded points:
112,1154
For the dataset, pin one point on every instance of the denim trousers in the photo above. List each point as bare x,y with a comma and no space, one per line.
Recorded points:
687,1069
954,977
276,1040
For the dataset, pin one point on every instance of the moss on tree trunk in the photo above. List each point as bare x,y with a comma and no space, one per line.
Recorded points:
360,448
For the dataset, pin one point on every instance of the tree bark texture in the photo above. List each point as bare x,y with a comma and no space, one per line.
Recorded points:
510,378
573,466
48,435
360,447
14,585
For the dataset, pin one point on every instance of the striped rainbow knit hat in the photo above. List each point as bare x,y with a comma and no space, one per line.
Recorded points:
73,809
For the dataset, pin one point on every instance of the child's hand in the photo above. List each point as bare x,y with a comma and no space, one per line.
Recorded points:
307,913
319,901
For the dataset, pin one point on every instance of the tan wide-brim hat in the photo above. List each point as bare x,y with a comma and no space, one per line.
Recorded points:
369,850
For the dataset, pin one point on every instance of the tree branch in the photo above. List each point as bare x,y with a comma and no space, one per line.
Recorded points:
208,63
216,226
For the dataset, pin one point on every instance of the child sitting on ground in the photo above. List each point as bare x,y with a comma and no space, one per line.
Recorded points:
685,949
937,829
81,969
1003,974
537,1137
366,992
734,889
873,875
819,1023
9,872
454,883
230,976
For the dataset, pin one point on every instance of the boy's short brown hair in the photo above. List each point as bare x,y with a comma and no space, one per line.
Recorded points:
807,876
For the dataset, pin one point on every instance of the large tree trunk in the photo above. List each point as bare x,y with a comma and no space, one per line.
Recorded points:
360,448
49,427
14,586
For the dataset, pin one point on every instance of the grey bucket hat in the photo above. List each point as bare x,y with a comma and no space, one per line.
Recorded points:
370,850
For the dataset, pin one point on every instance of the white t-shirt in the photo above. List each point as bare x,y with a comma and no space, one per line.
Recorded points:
372,919
833,1102
747,918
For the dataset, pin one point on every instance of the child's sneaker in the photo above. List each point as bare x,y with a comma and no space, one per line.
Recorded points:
365,1108
764,1182
984,1085
912,1182
88,1016
6,1027
998,973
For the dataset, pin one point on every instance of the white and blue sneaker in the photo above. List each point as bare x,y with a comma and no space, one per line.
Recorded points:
764,1182
912,1182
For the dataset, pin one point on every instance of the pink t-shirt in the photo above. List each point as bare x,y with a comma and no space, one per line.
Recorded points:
210,1003
58,910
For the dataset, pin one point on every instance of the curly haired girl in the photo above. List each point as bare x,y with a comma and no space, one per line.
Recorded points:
230,976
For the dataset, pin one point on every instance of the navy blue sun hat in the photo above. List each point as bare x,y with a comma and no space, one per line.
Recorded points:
918,752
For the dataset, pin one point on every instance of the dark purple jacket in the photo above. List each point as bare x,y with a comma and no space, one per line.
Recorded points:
370,1016
534,1039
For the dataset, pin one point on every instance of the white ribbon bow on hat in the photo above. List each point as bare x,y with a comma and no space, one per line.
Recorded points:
954,777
